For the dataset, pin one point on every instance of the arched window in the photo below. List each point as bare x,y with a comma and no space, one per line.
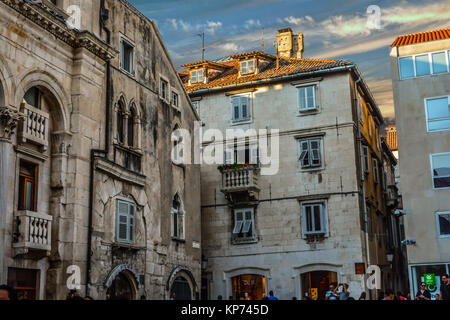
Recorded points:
32,97
131,128
177,219
120,134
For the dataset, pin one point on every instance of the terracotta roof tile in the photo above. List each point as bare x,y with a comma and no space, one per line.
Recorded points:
420,37
291,66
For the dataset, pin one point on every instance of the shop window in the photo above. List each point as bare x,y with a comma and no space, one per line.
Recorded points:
24,282
249,287
27,186
125,221
244,225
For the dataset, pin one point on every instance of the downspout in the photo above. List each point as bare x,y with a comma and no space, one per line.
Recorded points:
366,234
97,152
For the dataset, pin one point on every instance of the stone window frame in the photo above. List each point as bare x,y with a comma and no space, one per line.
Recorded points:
166,99
309,138
128,42
325,229
235,239
126,110
178,214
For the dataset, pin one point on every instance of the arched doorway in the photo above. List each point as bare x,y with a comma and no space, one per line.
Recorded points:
315,284
249,287
121,288
181,290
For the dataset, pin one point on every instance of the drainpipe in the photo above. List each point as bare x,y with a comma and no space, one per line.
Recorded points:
97,152
366,235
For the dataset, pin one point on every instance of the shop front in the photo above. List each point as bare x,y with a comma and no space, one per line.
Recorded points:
24,282
315,284
430,274
249,287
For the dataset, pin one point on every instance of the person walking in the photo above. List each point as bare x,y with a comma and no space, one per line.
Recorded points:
423,293
271,296
445,287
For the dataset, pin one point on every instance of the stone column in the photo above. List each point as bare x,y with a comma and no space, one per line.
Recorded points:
9,117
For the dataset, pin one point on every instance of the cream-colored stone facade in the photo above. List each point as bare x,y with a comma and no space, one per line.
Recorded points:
98,136
280,252
417,143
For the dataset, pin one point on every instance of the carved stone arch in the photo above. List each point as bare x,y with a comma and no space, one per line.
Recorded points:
127,272
183,272
50,85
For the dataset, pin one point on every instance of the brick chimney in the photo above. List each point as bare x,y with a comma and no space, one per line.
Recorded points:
289,44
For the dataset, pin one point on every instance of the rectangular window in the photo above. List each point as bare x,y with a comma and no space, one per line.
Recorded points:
443,222
244,224
247,66
197,76
440,168
366,159
422,65
438,113
375,170
439,62
164,86
406,67
27,186
307,98
240,108
310,153
248,154
125,221
175,99
127,57
314,219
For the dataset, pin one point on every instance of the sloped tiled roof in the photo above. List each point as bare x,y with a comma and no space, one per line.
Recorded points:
286,67
391,138
420,37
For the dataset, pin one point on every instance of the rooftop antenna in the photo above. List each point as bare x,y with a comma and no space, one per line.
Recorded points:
275,44
202,35
263,39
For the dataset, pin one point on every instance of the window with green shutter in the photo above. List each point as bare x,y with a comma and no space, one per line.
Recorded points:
125,221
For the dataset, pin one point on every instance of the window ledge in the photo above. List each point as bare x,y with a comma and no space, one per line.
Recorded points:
244,241
179,240
308,112
311,170
240,122
124,245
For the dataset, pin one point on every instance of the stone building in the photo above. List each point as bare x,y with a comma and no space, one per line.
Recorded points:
421,84
87,178
321,218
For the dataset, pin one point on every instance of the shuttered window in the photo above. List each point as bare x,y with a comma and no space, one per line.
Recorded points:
240,108
125,221
310,153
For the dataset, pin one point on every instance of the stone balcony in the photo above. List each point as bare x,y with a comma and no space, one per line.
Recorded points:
240,181
392,196
33,233
34,126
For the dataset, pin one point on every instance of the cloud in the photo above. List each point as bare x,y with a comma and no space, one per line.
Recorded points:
252,23
212,26
230,47
176,24
297,21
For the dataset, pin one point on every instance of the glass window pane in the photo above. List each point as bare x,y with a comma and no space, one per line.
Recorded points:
310,93
302,98
406,67
436,125
444,224
309,225
438,108
439,62
317,218
422,65
29,188
441,170
193,76
123,231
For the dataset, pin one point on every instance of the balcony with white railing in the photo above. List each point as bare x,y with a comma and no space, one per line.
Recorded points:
240,179
34,126
33,232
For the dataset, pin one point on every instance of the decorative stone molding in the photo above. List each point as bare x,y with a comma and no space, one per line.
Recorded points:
56,25
9,118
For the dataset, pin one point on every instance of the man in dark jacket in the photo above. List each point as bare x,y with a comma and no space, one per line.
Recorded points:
445,287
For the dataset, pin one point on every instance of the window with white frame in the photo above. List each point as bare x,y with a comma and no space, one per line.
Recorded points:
197,76
244,224
127,56
365,158
247,66
314,218
177,219
164,89
438,113
240,108
440,169
125,221
310,153
424,64
443,223
175,99
307,98
375,170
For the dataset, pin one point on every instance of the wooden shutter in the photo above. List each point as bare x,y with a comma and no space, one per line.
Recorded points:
315,152
238,222
304,154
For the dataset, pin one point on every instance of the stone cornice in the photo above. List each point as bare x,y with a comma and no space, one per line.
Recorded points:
56,25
